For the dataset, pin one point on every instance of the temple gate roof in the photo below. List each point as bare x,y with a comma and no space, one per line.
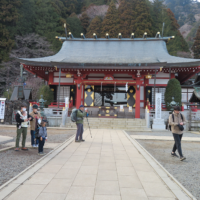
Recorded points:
123,52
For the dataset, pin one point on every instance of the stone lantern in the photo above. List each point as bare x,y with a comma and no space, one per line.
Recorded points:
173,104
41,106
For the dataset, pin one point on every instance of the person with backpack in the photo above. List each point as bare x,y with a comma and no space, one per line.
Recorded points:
176,122
22,125
80,114
36,119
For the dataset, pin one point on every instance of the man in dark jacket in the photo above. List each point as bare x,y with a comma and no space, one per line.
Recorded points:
80,115
22,125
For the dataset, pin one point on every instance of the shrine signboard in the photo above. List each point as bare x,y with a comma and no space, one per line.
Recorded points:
2,108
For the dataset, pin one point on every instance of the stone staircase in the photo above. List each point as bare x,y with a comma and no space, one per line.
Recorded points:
112,123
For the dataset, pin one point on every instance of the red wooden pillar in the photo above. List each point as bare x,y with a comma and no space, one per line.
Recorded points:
172,76
50,78
137,105
78,92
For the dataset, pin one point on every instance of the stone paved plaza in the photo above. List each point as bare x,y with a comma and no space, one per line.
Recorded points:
107,166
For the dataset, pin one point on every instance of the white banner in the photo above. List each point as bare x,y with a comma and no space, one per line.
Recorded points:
2,107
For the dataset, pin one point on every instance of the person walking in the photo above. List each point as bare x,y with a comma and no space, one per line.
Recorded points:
22,125
177,120
42,137
79,123
36,119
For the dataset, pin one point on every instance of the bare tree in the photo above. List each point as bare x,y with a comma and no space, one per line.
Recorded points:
34,84
28,46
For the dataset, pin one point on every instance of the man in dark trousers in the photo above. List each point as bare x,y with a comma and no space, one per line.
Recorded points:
22,125
80,115
176,119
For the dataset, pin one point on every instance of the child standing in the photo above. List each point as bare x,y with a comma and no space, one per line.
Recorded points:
42,137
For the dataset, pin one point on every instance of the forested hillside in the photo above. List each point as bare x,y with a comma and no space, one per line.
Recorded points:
45,18
187,13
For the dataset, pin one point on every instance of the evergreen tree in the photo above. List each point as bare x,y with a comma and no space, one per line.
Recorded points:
71,6
196,45
157,15
27,17
173,89
8,16
171,29
94,27
110,23
59,7
87,3
47,93
48,22
84,22
127,17
75,25
143,21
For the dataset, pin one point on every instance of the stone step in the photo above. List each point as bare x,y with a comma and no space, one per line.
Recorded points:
139,129
112,123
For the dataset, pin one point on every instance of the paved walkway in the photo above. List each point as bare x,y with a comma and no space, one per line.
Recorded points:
106,167
4,139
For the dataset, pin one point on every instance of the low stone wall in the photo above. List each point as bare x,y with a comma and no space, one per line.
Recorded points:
10,107
54,121
165,116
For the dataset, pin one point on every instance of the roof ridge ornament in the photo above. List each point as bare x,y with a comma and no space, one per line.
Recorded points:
82,36
120,36
158,35
65,26
172,37
70,35
94,36
132,35
145,35
107,36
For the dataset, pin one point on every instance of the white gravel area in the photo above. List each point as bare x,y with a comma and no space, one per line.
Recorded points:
54,135
12,162
162,133
186,172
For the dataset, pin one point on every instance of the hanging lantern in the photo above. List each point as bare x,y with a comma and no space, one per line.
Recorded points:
148,76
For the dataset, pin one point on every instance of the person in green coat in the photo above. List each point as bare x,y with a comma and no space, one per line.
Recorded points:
80,115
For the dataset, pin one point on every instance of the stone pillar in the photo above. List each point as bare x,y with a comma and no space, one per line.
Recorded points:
137,105
158,123
147,117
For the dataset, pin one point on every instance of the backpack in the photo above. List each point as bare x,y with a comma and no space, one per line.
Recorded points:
37,131
170,127
74,115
